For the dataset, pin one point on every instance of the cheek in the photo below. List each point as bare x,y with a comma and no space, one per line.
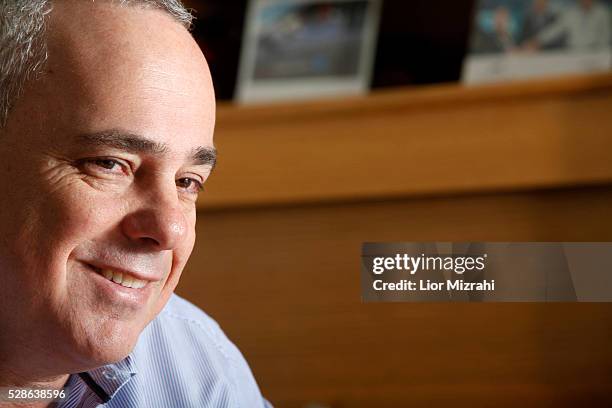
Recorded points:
182,252
179,259
84,213
46,232
65,220
189,242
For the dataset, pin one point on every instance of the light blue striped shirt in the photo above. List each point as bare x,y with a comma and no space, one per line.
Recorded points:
182,359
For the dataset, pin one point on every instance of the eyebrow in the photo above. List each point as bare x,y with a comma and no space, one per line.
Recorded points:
133,143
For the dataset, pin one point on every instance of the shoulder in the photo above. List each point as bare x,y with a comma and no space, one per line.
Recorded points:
183,318
186,342
186,316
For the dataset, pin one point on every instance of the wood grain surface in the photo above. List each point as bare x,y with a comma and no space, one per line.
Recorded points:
407,142
284,284
300,187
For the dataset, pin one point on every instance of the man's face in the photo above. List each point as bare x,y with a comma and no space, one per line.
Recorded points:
101,163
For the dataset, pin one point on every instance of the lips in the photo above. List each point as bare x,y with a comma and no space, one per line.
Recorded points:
123,279
120,277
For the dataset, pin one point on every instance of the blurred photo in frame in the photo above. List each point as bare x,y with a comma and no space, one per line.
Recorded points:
517,39
301,49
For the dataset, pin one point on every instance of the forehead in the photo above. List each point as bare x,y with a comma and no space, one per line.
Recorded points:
117,67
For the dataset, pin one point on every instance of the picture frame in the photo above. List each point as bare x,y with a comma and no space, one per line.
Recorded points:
518,39
302,49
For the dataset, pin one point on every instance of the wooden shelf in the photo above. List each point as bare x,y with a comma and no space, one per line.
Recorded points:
441,139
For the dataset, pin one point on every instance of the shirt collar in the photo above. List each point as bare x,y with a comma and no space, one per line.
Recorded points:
111,377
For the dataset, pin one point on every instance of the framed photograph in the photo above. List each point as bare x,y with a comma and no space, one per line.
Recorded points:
298,49
515,39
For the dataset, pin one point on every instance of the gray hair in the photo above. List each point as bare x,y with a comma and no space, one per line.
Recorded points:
23,49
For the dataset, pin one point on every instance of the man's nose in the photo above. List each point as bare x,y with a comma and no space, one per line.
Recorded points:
160,224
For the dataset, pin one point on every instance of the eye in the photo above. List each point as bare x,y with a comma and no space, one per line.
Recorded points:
191,185
108,164
105,165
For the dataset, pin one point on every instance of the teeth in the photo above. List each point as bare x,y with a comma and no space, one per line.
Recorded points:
127,281
137,283
123,280
117,277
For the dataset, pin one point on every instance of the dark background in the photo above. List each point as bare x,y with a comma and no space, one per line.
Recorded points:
419,41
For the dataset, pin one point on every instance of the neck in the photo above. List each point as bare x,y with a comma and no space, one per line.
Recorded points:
10,380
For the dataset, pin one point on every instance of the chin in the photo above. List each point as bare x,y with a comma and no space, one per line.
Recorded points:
107,343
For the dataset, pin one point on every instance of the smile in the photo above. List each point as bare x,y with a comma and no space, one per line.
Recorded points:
120,278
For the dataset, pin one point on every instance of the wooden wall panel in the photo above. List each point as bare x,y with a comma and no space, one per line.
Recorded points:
284,284
405,142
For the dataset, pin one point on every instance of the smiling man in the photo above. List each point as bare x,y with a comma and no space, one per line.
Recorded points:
106,124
